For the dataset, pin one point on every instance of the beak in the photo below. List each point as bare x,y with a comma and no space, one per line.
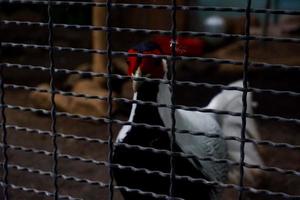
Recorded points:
137,84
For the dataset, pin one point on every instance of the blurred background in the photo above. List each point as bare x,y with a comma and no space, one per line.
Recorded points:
25,66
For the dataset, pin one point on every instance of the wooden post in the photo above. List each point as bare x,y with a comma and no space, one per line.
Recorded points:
160,19
266,24
99,41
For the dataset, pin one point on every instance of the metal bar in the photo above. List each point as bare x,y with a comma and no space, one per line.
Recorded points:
244,98
109,98
173,100
3,130
53,104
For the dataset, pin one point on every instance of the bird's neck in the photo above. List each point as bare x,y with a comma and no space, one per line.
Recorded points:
148,91
154,92
145,114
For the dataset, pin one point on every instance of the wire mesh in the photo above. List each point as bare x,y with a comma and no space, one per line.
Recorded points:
4,138
61,175
53,104
244,98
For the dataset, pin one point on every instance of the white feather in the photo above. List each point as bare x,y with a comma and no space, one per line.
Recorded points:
231,100
126,128
198,146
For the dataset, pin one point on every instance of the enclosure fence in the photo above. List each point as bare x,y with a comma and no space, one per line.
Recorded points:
11,187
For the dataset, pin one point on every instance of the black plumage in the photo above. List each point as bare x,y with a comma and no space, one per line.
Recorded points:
154,161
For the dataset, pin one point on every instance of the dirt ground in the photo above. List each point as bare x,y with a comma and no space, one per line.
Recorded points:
274,105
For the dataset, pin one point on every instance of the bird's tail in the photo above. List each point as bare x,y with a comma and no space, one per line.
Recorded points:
231,100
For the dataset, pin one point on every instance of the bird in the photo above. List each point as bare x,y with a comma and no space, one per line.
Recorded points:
195,146
226,100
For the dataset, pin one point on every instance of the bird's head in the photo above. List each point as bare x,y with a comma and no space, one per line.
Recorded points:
144,66
148,66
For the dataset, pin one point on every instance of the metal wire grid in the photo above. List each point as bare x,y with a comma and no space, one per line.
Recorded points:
109,98
172,90
109,120
53,104
4,134
244,99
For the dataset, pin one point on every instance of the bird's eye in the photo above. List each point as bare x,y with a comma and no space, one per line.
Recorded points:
157,62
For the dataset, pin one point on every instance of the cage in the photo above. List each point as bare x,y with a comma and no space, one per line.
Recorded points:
66,94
